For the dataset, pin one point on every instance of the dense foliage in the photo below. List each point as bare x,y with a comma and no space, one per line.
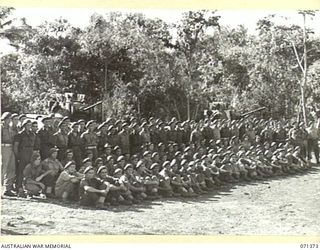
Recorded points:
147,66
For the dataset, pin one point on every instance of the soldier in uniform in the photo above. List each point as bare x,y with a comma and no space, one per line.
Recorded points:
23,147
67,184
90,139
75,143
135,139
32,174
124,139
8,161
61,140
53,166
46,139
92,191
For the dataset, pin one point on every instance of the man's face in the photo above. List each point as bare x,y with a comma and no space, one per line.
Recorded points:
34,127
129,171
28,127
103,173
70,155
64,127
72,169
90,174
122,163
54,155
15,120
108,151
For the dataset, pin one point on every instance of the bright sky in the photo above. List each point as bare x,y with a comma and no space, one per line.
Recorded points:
80,17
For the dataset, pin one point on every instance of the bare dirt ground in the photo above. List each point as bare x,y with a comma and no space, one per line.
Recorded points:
279,206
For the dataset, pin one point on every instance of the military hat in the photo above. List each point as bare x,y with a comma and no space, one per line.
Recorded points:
117,171
120,158
191,163
135,156
116,148
86,160
177,153
101,168
204,157
5,115
195,156
143,124
211,151
25,122
110,157
214,156
146,153
98,160
117,122
90,122
187,149
166,164
133,125
107,120
14,115
154,165
74,124
183,162
87,169
173,162
273,144
107,145
69,163
139,164
81,120
69,150
125,125
128,166
22,116
65,118
53,150
154,154
101,125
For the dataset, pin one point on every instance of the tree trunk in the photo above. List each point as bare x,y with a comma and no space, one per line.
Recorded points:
304,83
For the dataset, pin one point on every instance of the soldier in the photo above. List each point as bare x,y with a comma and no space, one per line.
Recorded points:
135,139
61,140
145,133
23,147
55,167
69,157
124,139
8,161
102,136
118,192
82,126
15,123
75,144
93,191
31,181
113,137
46,139
90,138
67,184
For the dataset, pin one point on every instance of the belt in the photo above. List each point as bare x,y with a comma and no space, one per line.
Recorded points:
6,145
91,147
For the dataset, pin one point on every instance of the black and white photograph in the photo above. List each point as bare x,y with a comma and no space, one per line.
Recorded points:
160,121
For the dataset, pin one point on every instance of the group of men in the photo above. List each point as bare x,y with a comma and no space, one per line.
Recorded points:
125,161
